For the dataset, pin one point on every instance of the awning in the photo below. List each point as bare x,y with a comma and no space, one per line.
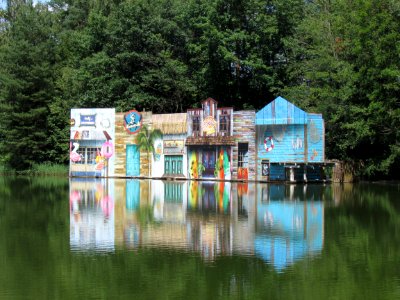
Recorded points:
210,141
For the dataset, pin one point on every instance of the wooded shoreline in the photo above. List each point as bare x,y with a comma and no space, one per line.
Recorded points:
338,58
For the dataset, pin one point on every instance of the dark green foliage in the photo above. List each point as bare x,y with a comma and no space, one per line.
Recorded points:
27,59
344,63
340,58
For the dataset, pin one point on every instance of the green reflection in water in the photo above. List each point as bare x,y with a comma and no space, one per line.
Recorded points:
359,258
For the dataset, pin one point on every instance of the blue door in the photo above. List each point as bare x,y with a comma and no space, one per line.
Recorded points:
132,160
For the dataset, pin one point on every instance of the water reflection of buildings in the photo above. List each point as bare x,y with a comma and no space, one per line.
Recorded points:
91,216
277,223
287,231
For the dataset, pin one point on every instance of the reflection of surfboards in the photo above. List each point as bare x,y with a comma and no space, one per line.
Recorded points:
220,164
193,166
193,195
227,166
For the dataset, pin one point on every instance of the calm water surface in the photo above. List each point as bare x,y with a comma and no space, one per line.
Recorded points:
105,239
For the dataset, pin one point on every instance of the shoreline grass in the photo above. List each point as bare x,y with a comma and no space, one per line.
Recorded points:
47,169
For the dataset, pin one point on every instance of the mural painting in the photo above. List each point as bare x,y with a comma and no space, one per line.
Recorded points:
195,166
210,126
91,142
158,150
132,121
203,163
276,143
223,164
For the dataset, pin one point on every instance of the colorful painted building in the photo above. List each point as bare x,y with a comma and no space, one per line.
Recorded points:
290,143
170,155
210,141
281,142
91,142
220,142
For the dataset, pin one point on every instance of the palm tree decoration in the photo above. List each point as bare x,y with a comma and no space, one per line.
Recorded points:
145,140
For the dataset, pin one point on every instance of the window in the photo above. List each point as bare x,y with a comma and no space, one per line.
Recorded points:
243,155
196,124
88,155
224,123
91,156
265,168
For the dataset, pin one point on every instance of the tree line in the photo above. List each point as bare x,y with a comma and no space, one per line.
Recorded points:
340,58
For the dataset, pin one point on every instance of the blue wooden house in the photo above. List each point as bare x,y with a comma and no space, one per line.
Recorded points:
290,143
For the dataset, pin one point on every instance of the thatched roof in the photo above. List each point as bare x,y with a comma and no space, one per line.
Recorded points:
170,123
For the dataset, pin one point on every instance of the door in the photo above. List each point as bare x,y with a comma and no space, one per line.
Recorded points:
208,161
132,160
173,164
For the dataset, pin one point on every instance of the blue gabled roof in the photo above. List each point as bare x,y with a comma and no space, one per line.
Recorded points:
281,111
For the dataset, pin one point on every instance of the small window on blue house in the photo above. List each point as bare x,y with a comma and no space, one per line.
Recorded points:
265,168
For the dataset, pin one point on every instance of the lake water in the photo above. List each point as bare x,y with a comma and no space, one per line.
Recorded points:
116,239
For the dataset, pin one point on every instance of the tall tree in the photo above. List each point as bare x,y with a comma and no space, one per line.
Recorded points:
26,74
240,43
344,63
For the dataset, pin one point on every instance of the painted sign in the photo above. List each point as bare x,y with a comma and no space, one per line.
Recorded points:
297,143
209,125
132,121
88,120
174,146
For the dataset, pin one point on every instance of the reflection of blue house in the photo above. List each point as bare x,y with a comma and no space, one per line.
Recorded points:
288,231
290,143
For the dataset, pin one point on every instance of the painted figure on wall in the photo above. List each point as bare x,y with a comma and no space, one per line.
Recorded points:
222,166
74,155
193,165
100,161
132,121
158,150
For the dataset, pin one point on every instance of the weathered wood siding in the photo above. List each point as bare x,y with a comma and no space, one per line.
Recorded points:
244,131
315,138
288,135
281,112
123,138
289,143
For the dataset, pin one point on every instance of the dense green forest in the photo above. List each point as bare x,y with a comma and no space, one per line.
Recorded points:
337,57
